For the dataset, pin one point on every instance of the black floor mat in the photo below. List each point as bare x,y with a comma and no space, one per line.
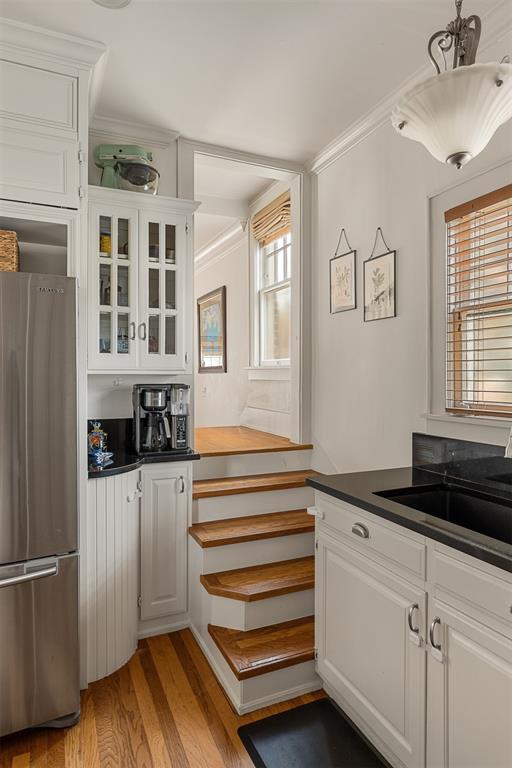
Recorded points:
315,735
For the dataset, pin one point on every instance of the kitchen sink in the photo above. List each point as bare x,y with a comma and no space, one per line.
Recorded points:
470,509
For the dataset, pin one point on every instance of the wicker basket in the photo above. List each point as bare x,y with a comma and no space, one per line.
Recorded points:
9,251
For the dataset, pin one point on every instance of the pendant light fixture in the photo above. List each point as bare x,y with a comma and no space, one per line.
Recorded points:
113,4
455,113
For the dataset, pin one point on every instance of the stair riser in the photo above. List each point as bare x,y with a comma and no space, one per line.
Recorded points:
241,504
247,553
237,614
261,691
251,464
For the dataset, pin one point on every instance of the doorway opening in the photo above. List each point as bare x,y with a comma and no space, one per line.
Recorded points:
248,289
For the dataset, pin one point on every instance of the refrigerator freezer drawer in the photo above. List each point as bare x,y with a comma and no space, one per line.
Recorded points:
39,642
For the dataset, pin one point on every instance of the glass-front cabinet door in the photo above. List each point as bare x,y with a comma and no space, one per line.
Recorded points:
161,290
112,287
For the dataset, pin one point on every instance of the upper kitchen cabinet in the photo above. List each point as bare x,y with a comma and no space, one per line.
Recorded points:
45,80
139,282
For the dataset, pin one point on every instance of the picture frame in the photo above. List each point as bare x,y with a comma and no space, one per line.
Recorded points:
379,286
342,282
211,331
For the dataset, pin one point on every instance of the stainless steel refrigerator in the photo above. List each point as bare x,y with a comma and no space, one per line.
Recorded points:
39,678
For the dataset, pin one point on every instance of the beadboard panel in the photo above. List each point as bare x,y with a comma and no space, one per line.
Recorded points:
112,572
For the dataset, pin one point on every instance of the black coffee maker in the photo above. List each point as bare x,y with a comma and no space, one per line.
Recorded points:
155,423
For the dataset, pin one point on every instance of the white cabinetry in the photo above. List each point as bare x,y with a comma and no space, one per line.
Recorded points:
369,627
469,705
165,506
44,83
112,560
139,282
440,697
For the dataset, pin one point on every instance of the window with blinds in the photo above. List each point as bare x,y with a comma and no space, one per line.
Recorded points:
479,305
271,227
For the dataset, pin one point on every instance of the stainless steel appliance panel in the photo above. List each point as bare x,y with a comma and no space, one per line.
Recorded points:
39,642
38,417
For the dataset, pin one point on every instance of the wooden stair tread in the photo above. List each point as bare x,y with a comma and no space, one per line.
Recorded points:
263,650
234,441
217,533
258,582
274,481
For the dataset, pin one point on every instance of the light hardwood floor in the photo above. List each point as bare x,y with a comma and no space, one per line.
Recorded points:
226,441
164,708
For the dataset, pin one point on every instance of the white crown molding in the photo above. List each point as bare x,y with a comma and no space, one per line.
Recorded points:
221,246
109,127
18,39
496,25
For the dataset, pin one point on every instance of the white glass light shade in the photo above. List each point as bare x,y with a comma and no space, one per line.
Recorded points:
455,114
113,3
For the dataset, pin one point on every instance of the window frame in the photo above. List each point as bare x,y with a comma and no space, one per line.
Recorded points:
458,370
263,290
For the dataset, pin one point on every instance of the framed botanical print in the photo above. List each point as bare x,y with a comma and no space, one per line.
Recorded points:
380,286
343,282
211,329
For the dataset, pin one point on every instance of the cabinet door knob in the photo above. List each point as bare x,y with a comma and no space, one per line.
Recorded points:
361,530
133,332
142,331
181,486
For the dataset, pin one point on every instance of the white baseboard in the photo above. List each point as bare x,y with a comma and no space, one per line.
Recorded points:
216,670
163,628
291,693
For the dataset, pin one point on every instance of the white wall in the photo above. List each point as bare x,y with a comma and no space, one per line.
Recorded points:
369,380
221,397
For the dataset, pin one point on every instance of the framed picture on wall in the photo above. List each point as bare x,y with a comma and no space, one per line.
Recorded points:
343,282
211,329
380,287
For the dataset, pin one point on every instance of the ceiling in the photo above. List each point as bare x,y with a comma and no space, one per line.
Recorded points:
280,78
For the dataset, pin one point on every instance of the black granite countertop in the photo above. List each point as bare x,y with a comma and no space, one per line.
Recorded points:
119,441
359,489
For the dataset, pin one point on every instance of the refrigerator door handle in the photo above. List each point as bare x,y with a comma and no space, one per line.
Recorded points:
11,581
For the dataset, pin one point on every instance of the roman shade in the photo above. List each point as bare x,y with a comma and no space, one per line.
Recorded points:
479,305
273,220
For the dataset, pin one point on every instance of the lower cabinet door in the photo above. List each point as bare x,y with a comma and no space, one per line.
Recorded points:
469,680
166,491
367,651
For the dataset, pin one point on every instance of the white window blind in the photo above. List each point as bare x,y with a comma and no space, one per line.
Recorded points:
479,305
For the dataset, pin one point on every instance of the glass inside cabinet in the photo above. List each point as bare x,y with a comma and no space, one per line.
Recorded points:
160,289
112,276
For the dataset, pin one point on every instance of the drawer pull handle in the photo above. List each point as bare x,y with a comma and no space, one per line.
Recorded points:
361,530
436,646
410,617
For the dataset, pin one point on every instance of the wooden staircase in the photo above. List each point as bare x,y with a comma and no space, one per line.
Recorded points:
251,548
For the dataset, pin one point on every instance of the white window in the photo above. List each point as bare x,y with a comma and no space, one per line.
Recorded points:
274,295
479,305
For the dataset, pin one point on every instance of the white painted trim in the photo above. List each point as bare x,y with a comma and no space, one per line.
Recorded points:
496,24
162,629
275,698
106,127
19,39
218,245
221,678
473,421
266,373
130,199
